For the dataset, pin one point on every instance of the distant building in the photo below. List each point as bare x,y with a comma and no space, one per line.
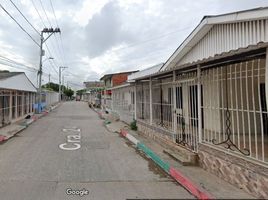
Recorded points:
17,97
93,84
110,81
92,93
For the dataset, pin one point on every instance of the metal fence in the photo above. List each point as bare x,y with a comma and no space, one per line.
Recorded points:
162,103
186,110
234,108
14,105
143,101
123,103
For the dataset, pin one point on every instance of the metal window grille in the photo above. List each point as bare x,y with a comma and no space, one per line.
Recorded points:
162,103
234,108
186,110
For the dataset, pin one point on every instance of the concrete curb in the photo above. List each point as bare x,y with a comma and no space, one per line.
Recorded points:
174,173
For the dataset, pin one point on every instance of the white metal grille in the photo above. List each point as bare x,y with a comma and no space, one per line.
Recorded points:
123,103
186,110
237,89
143,101
162,103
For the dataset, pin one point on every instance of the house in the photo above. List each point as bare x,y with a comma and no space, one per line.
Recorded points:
92,93
210,98
110,81
17,97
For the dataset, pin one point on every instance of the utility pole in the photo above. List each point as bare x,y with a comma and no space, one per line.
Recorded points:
50,31
60,70
49,78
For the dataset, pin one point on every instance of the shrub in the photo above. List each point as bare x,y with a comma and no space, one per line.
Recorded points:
133,125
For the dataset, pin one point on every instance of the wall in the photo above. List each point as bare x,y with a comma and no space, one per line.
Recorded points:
225,37
51,98
247,175
118,79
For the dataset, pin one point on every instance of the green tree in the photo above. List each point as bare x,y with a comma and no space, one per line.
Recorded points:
69,93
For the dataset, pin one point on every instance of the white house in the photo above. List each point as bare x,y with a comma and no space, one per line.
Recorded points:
17,97
210,97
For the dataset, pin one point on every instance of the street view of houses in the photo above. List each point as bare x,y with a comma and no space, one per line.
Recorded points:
133,99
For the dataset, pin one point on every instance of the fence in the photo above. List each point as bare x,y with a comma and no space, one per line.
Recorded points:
143,101
14,105
234,108
123,103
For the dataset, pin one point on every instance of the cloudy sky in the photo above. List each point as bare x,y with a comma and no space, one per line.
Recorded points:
101,36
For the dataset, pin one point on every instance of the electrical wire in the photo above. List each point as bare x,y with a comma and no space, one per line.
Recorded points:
18,24
25,17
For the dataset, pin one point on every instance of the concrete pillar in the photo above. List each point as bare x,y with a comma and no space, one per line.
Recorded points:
174,107
266,76
22,104
135,101
151,101
28,103
10,106
199,105
16,105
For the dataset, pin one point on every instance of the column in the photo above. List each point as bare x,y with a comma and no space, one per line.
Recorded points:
199,105
151,101
10,106
266,76
135,100
174,107
22,104
16,105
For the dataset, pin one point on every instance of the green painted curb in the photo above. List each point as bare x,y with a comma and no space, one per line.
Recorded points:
164,165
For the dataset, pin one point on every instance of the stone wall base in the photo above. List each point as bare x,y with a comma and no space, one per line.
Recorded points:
164,138
242,173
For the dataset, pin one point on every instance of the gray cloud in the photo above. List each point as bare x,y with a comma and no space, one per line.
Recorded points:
105,30
149,33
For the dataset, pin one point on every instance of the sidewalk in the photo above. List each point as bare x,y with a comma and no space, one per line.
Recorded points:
11,130
205,181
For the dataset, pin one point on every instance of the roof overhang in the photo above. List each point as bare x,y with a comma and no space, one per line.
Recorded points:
204,27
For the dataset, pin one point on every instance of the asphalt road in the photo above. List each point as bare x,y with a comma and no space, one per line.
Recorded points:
33,166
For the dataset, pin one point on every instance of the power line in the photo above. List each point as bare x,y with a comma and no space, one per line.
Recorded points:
15,62
149,40
54,13
38,13
57,43
18,24
45,12
24,17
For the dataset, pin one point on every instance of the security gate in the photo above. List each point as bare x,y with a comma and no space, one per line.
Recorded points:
186,110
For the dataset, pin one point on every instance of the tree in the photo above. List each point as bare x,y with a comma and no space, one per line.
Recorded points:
69,93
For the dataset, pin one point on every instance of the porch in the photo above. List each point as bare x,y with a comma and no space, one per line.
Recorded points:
222,105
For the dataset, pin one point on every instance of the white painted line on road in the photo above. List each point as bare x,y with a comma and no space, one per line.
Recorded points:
73,141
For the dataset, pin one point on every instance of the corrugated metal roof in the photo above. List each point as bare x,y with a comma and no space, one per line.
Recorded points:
145,72
204,27
216,57
4,74
16,81
106,76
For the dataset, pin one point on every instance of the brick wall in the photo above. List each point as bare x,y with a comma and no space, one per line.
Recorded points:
118,79
244,174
